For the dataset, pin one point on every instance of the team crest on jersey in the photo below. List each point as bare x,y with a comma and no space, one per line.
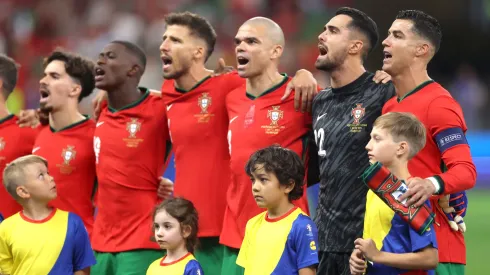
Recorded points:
357,113
68,154
133,126
275,115
204,101
2,144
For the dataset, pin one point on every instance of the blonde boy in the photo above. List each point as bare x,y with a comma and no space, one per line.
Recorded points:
40,239
389,244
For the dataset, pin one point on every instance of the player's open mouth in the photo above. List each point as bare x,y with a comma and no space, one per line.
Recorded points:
167,62
44,93
242,61
258,198
322,49
387,55
99,74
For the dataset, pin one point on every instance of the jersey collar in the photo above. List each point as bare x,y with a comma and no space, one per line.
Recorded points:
145,92
71,125
418,88
270,90
193,87
353,85
6,118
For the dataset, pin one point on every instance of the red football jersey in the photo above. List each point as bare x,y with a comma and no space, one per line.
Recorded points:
71,162
256,123
445,144
131,146
14,142
198,123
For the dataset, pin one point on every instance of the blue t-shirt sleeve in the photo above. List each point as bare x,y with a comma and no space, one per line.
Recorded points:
83,255
422,241
305,239
193,268
1,217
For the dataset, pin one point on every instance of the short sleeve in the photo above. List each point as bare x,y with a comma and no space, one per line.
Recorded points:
242,259
232,81
193,268
422,241
83,255
305,239
6,259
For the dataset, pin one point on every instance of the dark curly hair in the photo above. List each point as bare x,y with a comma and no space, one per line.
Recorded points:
77,67
183,211
285,164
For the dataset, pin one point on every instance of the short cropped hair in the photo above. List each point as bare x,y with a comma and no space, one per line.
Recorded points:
197,25
134,50
78,68
406,127
183,211
14,173
424,25
8,73
285,164
362,23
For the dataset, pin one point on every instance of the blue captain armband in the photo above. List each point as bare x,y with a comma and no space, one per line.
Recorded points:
449,138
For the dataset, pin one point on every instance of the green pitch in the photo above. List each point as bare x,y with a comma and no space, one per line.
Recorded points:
477,235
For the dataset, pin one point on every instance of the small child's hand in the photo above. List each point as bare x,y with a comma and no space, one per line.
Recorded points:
368,248
357,263
165,188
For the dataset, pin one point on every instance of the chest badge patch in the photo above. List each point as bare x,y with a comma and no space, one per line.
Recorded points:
357,113
204,101
275,115
68,154
133,126
2,144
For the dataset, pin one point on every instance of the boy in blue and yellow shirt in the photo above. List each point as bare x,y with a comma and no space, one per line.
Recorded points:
282,240
390,245
40,239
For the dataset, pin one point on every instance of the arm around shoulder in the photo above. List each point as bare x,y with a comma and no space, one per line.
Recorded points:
425,259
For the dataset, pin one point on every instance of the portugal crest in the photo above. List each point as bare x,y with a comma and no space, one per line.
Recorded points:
2,144
68,154
358,113
204,101
275,115
133,127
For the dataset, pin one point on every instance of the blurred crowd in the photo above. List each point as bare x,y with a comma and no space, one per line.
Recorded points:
30,29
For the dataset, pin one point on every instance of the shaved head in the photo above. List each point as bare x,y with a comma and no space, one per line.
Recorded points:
273,30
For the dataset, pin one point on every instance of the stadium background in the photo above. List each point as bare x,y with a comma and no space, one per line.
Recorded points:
30,29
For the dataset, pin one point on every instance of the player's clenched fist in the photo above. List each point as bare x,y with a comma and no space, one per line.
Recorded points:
165,188
368,248
357,263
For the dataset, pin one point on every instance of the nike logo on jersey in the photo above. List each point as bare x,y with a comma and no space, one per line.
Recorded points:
319,117
168,107
99,123
233,119
35,149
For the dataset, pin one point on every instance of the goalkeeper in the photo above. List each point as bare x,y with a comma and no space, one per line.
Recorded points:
390,244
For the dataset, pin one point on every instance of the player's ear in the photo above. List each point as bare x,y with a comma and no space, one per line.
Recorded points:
186,230
199,52
422,49
277,52
134,70
76,90
22,192
356,47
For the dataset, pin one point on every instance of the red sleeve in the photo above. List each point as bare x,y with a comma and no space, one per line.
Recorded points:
233,81
447,127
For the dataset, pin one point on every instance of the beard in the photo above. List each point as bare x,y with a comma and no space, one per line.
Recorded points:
330,64
178,73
